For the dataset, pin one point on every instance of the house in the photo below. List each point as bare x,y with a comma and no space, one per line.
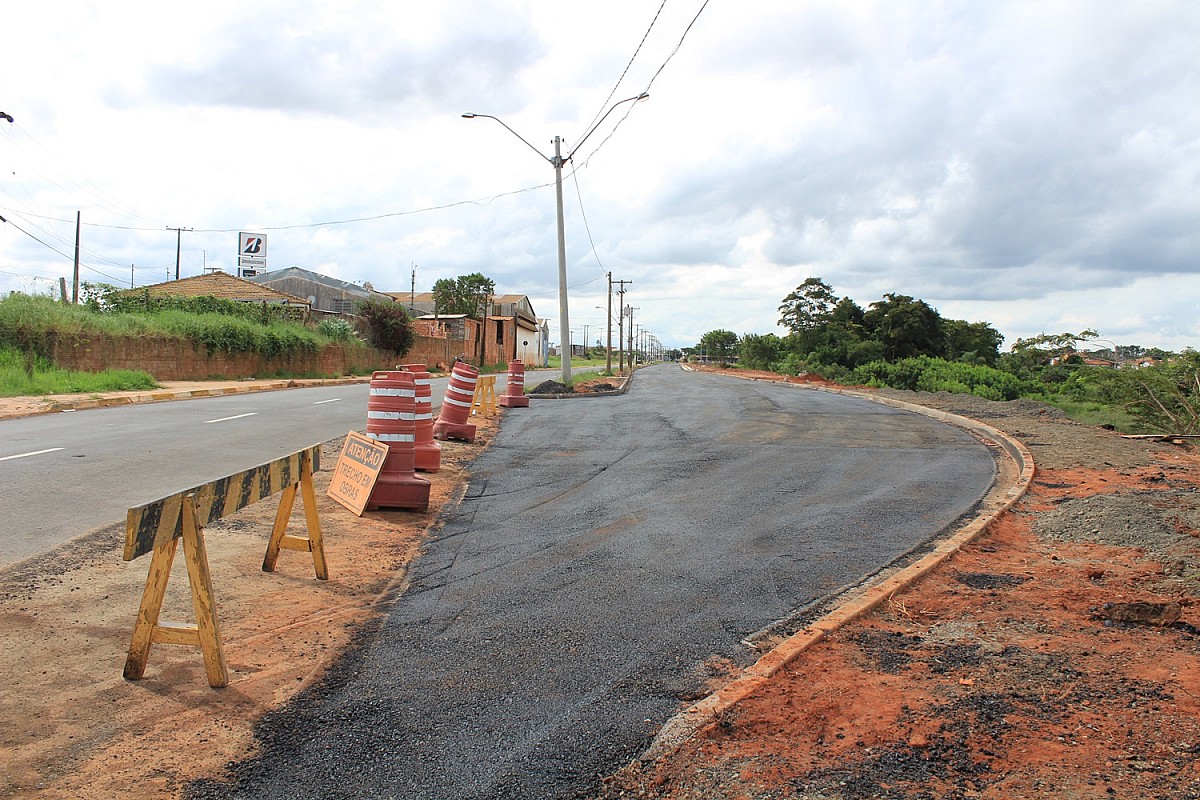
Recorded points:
325,294
510,330
226,287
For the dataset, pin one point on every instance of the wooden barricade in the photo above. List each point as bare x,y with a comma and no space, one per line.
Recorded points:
157,528
484,401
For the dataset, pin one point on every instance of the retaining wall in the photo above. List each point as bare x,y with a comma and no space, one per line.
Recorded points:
178,360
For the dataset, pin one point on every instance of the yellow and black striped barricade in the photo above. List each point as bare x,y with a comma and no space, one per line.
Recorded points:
157,528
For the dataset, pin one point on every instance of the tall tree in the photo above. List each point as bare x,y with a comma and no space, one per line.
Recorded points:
466,294
808,306
974,342
904,326
719,344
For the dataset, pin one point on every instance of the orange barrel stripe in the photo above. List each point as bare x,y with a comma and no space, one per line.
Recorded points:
514,391
456,405
428,452
391,418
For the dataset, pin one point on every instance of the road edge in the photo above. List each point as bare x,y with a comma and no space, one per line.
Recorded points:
867,596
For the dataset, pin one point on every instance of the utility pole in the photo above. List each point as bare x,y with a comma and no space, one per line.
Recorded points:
412,292
75,285
620,325
178,242
631,353
608,350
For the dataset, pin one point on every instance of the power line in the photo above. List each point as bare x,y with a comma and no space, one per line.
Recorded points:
653,78
55,249
625,71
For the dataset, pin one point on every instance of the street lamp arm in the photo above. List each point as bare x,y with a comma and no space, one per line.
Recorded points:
514,133
612,108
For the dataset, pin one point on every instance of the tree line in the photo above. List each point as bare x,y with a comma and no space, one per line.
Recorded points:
903,342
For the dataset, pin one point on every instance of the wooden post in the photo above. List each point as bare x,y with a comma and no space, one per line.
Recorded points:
203,602
279,537
206,633
152,599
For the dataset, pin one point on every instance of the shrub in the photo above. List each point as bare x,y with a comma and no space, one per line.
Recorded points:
388,325
926,374
338,330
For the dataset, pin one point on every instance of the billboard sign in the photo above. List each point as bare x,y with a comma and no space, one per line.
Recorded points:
252,253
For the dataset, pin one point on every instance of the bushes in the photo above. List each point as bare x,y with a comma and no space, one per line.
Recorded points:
388,324
32,323
927,374
336,330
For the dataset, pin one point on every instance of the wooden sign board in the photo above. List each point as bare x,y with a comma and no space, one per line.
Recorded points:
357,470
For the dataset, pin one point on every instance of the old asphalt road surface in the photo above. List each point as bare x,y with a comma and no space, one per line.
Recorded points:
608,554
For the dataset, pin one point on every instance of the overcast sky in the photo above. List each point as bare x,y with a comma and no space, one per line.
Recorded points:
1035,165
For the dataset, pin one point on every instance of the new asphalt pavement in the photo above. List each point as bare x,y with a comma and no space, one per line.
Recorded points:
609,556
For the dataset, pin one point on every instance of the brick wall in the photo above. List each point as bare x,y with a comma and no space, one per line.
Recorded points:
177,360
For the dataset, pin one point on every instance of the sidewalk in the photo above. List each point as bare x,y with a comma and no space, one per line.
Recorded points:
11,407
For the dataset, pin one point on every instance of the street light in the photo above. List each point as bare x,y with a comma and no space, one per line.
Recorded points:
557,162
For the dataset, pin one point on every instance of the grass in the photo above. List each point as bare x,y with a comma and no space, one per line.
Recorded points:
49,379
577,361
1093,413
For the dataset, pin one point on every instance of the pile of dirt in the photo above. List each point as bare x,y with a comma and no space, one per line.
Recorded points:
551,387
1003,674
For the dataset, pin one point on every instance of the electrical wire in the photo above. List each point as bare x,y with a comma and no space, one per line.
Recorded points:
56,250
653,78
624,72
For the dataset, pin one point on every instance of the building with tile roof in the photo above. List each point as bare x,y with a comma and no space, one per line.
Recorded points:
224,286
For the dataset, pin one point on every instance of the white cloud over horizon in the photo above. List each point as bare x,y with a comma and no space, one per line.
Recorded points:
1033,165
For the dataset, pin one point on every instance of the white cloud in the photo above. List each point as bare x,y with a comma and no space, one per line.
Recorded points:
1034,165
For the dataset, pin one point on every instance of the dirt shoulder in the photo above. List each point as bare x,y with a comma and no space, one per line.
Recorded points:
73,727
1002,674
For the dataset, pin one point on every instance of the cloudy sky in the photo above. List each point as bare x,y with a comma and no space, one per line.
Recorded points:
1035,165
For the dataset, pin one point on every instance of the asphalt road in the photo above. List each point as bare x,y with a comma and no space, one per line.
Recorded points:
67,474
605,553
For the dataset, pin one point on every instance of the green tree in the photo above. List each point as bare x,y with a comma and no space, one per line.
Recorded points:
971,342
904,326
759,351
719,345
466,294
1164,398
1047,347
808,307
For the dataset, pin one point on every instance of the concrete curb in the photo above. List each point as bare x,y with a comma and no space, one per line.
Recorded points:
707,712
188,394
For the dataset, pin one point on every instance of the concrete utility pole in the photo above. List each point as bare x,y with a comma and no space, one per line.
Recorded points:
75,285
178,241
621,325
608,349
631,353
564,325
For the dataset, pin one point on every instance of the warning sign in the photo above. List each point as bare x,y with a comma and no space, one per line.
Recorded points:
356,472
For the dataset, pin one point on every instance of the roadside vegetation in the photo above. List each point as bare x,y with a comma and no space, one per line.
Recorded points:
901,342
16,380
30,325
